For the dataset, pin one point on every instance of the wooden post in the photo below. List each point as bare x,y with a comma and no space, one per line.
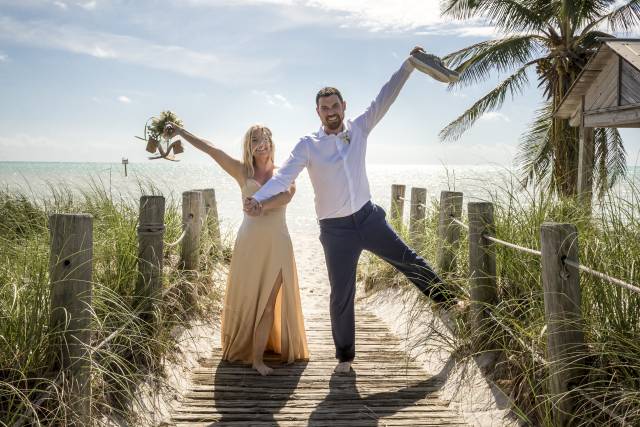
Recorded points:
417,216
585,166
397,202
211,210
562,306
482,267
150,250
70,269
448,230
192,210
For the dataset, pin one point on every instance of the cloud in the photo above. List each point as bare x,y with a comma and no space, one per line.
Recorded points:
4,57
421,16
61,5
494,116
228,70
276,100
124,99
89,5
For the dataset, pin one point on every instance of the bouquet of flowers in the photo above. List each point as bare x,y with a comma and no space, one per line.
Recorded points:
154,136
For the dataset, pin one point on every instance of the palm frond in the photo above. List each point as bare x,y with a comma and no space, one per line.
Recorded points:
625,17
493,100
476,62
508,15
610,159
535,158
587,11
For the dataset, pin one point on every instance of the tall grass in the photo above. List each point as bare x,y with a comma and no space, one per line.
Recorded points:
31,391
609,241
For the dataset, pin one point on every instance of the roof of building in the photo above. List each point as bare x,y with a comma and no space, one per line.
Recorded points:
629,49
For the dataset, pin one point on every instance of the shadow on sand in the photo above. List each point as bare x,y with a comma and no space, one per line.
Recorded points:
345,406
241,395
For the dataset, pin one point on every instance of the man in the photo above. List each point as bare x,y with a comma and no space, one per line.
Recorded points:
349,221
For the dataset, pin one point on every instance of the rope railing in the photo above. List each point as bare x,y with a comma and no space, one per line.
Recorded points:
186,228
580,267
460,223
556,253
512,245
603,276
184,233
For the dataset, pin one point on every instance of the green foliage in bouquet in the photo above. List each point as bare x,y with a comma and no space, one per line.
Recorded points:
156,128
153,136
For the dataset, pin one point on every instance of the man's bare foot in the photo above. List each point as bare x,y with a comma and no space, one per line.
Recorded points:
262,369
342,368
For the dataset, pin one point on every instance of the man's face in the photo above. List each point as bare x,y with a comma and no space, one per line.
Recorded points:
331,111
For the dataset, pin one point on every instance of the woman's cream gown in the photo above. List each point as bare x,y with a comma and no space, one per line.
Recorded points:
262,250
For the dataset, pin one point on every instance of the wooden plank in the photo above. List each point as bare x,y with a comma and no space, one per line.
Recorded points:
628,50
613,118
630,84
603,91
386,386
322,423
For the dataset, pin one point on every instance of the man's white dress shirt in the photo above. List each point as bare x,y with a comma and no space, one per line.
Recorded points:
336,163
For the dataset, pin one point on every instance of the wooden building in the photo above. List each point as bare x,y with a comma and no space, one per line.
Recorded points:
605,94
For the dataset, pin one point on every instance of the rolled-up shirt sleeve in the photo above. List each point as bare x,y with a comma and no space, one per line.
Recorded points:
388,94
285,175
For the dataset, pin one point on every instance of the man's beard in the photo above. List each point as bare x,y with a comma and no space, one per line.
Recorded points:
334,125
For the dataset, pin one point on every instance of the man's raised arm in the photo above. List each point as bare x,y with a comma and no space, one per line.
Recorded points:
284,177
389,92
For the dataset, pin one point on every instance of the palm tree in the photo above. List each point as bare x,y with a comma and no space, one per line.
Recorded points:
555,38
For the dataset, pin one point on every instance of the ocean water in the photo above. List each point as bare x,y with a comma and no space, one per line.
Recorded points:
37,179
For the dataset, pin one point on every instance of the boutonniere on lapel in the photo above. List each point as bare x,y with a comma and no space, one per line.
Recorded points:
346,137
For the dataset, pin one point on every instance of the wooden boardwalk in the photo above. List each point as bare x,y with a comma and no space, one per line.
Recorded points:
384,387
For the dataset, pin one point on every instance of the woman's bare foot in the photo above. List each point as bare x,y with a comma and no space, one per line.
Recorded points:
262,369
342,368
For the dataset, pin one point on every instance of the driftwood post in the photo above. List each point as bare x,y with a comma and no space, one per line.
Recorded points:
448,230
397,202
417,216
192,211
562,301
150,250
482,267
70,268
211,210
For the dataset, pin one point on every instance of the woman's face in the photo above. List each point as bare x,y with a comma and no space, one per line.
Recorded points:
260,144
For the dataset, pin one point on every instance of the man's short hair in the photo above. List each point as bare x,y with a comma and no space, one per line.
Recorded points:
328,91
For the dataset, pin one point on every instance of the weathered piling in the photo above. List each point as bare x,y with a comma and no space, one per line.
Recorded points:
417,216
150,250
562,306
192,211
397,202
482,268
448,230
70,268
211,210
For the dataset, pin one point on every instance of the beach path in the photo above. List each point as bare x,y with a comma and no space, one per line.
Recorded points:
384,388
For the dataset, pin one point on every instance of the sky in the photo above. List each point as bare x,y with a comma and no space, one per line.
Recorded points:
81,77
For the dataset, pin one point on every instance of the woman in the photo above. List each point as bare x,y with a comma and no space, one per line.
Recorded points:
262,309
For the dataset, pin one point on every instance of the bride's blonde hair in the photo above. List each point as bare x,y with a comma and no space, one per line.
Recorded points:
247,154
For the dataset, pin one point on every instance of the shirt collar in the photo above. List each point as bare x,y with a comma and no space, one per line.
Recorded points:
322,133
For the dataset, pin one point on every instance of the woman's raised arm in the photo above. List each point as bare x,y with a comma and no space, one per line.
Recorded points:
233,167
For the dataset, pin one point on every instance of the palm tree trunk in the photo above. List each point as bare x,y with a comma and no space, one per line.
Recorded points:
565,144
